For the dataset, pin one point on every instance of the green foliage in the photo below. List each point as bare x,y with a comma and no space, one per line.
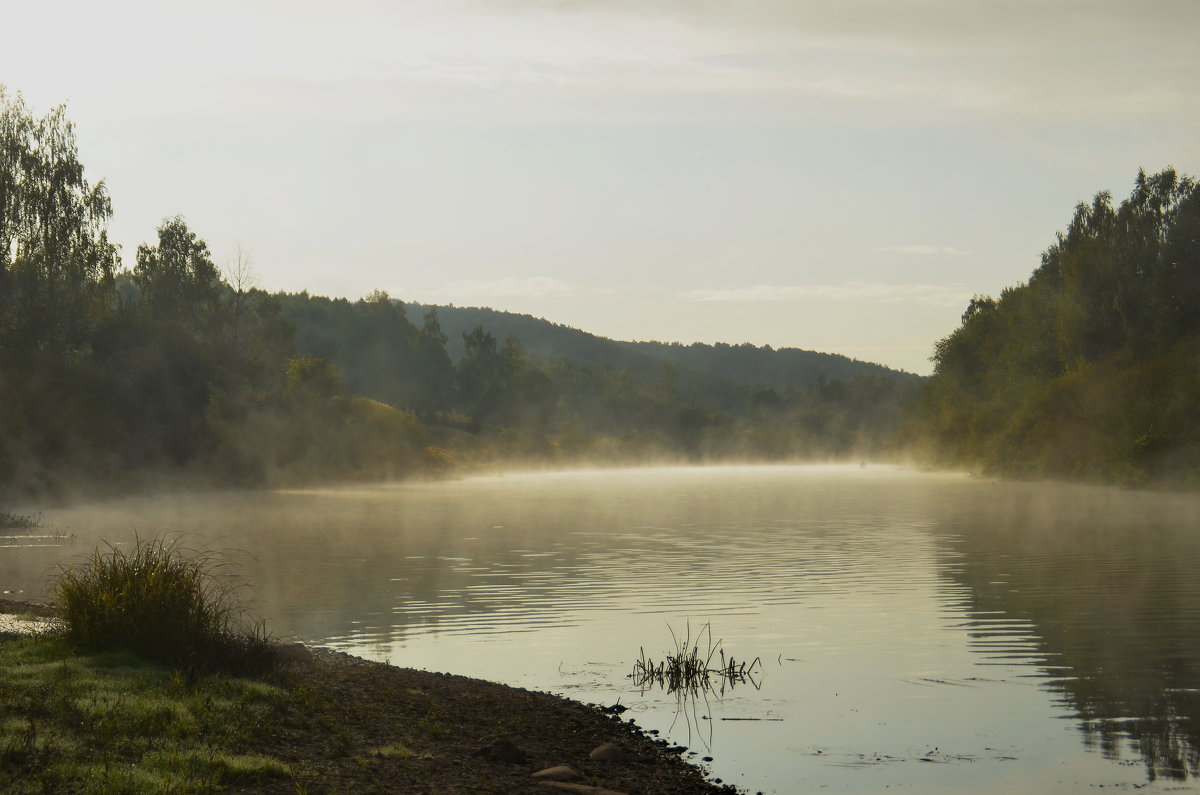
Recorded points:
514,403
436,373
500,386
111,722
105,387
1088,370
715,369
311,376
160,603
56,263
370,341
353,438
177,278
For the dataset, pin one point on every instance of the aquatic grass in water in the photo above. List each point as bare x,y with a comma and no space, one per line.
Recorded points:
162,603
20,521
688,670
29,527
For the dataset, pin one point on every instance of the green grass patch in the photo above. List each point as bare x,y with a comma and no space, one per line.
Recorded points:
111,722
393,751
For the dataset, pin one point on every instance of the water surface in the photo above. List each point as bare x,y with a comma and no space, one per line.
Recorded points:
919,631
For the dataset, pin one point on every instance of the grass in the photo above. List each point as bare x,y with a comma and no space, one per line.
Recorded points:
162,603
393,751
127,696
689,670
113,722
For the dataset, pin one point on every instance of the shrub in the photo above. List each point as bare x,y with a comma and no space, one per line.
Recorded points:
162,603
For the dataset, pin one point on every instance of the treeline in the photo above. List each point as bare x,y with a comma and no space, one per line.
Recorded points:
1091,369
699,363
116,378
487,398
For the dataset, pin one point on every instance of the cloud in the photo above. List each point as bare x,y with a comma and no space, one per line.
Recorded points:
923,248
1098,59
1067,58
903,27
870,292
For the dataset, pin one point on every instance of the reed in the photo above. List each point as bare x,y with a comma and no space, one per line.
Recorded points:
20,521
162,603
690,670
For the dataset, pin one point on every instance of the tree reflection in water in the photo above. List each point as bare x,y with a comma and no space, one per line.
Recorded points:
1108,582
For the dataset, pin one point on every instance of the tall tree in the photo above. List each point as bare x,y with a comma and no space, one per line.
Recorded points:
56,262
178,281
436,372
480,374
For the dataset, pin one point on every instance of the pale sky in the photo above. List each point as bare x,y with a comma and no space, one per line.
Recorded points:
839,176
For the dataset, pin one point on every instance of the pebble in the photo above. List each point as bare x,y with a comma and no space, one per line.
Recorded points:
607,752
557,773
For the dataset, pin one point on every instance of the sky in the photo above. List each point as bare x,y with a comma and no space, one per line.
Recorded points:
837,176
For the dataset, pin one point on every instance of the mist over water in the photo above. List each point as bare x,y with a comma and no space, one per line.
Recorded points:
918,630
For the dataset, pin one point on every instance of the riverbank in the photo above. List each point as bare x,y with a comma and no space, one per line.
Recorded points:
323,722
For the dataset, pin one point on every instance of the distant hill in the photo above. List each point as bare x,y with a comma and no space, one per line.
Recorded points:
542,339
766,366
558,394
745,363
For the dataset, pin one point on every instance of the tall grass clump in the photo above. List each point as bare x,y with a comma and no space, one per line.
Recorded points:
162,603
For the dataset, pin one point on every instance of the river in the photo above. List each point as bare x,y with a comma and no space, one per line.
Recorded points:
923,631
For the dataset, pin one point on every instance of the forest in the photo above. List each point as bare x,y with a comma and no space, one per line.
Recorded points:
1090,370
171,372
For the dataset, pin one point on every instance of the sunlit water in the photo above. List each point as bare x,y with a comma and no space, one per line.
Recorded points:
917,631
